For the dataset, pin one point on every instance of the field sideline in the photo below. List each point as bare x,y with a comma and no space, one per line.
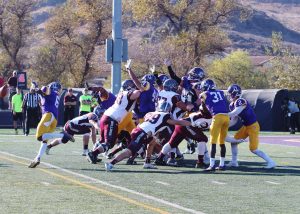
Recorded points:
66,183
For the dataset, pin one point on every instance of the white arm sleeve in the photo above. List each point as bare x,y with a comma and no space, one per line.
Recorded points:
236,111
230,139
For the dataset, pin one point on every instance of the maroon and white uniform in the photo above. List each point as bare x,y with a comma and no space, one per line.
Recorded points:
154,123
80,125
114,115
203,122
172,98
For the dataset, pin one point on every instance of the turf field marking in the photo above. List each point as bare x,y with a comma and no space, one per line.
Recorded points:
162,201
271,182
293,140
218,182
45,183
163,183
105,192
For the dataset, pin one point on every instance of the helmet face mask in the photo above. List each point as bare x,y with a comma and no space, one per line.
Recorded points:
207,85
170,85
98,111
234,91
128,85
149,78
196,74
55,86
163,78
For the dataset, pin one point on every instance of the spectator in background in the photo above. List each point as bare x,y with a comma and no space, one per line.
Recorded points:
17,101
31,108
95,103
2,81
85,102
294,115
12,85
70,102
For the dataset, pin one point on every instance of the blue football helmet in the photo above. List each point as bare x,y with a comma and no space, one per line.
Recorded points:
98,111
185,83
55,86
163,106
196,74
149,78
128,85
234,91
197,86
170,85
207,85
163,77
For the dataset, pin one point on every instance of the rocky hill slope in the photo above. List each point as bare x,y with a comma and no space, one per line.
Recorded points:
252,35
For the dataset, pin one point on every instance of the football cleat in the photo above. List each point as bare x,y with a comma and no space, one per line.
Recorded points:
271,165
91,158
149,166
159,162
172,162
201,165
47,150
210,169
109,156
108,167
98,160
221,168
131,161
179,157
232,164
85,152
34,163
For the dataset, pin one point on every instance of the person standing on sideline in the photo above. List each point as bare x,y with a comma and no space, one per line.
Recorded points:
85,102
70,102
31,108
294,114
16,103
12,85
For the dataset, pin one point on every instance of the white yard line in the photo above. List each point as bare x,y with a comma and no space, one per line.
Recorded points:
45,183
124,189
163,183
271,182
218,182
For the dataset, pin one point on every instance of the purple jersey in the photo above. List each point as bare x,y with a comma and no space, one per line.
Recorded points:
109,102
215,102
247,115
146,102
50,103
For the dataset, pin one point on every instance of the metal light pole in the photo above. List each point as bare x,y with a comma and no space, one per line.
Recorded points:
117,47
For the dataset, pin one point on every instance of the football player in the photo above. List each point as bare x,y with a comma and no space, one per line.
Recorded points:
240,108
112,117
215,101
50,102
85,125
154,122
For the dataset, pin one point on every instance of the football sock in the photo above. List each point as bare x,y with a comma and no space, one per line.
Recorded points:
213,150
222,161
85,147
166,149
178,153
172,155
200,159
48,136
212,162
148,160
263,155
234,152
201,148
223,150
42,150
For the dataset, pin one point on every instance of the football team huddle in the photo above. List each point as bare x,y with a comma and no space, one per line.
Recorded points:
151,116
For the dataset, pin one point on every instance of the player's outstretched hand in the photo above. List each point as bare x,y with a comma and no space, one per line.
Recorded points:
128,64
167,62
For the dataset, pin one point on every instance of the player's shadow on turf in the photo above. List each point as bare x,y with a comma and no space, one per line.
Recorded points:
4,165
